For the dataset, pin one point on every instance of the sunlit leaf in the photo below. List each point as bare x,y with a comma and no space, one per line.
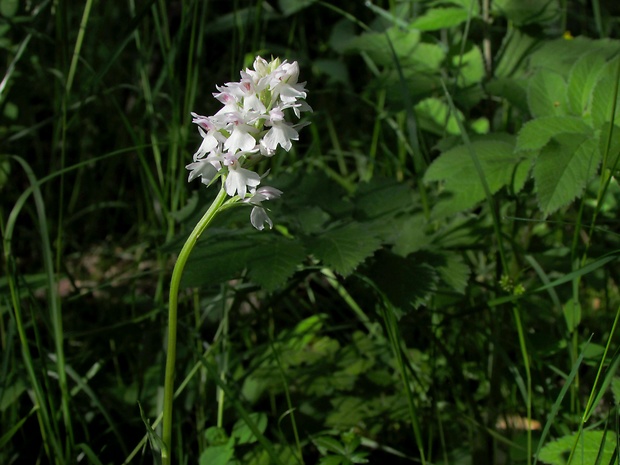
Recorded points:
563,168
586,452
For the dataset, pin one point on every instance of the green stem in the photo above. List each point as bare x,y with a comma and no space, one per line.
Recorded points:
175,282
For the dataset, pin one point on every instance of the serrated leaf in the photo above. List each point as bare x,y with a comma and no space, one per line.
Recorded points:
563,168
275,261
218,455
581,81
613,149
345,247
603,97
440,18
454,272
615,389
411,235
381,197
586,452
523,12
546,94
406,282
213,262
537,133
462,182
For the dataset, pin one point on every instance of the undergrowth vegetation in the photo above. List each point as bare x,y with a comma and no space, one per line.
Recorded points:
440,285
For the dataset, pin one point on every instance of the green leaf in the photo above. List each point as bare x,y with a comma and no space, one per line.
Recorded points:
329,444
454,271
344,248
614,145
546,94
535,134
586,452
218,455
243,433
272,263
581,81
405,282
457,170
471,67
563,168
603,96
5,172
434,115
440,18
522,12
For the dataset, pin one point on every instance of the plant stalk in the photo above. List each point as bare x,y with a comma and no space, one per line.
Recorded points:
175,282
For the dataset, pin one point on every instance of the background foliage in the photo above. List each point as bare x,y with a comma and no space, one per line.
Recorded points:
441,282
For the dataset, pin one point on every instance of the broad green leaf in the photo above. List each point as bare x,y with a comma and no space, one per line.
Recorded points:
546,94
603,98
563,168
517,45
406,282
218,455
454,271
583,77
243,433
377,45
535,134
586,452
411,235
513,90
463,186
274,262
522,12
434,115
560,55
440,18
610,147
381,197
344,248
213,262
471,67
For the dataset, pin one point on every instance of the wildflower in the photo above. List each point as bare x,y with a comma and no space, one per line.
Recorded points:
251,124
258,216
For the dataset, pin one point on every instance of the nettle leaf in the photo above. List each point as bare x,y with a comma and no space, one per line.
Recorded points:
586,452
535,134
440,18
546,94
462,182
275,262
563,168
344,248
581,81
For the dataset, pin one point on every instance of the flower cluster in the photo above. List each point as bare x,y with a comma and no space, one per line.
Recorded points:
250,125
